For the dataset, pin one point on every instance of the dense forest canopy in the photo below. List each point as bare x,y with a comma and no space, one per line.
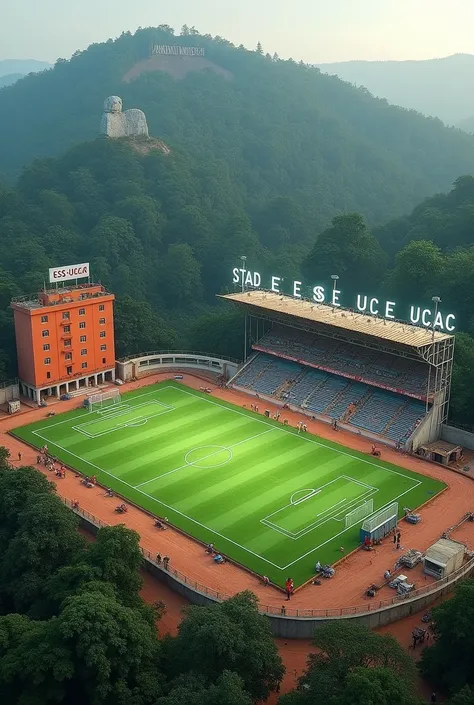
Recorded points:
252,170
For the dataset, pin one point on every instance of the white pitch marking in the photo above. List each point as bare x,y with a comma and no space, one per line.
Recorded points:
203,526
188,465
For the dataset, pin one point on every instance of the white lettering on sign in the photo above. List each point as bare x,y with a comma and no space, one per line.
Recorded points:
318,294
389,306
276,284
364,304
176,50
335,297
72,271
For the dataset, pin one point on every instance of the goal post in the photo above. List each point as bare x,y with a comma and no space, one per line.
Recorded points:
381,523
356,515
111,397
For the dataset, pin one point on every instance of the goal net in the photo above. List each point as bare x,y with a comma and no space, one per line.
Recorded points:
359,513
100,400
383,521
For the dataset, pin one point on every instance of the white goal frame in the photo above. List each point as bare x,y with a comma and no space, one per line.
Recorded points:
388,514
359,513
112,396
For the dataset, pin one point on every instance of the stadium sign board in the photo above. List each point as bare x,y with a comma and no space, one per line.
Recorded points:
424,317
72,271
176,50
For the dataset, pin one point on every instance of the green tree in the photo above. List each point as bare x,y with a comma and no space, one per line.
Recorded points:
449,662
144,215
348,250
461,406
417,272
181,276
464,697
138,328
351,663
228,636
96,651
376,686
221,333
45,540
192,689
117,558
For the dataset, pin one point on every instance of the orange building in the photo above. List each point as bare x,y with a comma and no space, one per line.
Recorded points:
64,340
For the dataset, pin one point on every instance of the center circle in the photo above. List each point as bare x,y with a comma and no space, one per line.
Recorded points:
208,456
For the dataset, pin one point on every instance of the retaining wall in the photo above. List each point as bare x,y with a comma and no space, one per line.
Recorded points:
302,626
458,436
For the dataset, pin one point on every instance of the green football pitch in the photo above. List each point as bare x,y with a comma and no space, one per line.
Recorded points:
268,497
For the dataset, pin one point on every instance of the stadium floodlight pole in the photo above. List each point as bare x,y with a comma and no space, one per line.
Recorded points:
334,278
243,259
436,300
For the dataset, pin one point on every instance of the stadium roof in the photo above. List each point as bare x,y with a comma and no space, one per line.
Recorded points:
270,302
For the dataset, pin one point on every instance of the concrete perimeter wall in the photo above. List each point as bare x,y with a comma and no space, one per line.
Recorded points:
145,363
303,627
458,436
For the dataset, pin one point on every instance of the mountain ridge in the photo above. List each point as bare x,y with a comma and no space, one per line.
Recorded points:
439,87
22,66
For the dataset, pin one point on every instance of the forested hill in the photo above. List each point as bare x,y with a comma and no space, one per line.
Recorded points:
277,128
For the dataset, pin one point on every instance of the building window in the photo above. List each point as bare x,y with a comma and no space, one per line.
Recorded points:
82,311
101,307
103,347
82,324
44,319
65,315
84,365
48,375
67,343
84,351
45,333
83,338
104,360
67,329
68,356
46,347
69,370
102,333
47,360
101,321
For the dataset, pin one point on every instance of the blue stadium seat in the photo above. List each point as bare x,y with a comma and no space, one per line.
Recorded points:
382,412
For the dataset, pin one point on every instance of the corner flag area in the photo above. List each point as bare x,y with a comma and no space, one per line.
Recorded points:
270,498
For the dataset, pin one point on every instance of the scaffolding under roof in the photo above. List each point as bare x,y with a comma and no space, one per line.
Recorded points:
395,332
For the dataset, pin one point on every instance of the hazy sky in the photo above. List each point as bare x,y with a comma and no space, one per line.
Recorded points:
312,30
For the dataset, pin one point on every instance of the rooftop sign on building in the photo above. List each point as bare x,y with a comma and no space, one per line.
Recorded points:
70,272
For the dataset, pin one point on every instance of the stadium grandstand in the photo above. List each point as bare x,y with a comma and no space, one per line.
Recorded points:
387,380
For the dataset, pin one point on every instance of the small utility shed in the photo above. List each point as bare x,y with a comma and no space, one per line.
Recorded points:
443,558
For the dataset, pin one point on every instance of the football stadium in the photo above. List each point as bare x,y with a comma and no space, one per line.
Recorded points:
251,480
271,498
